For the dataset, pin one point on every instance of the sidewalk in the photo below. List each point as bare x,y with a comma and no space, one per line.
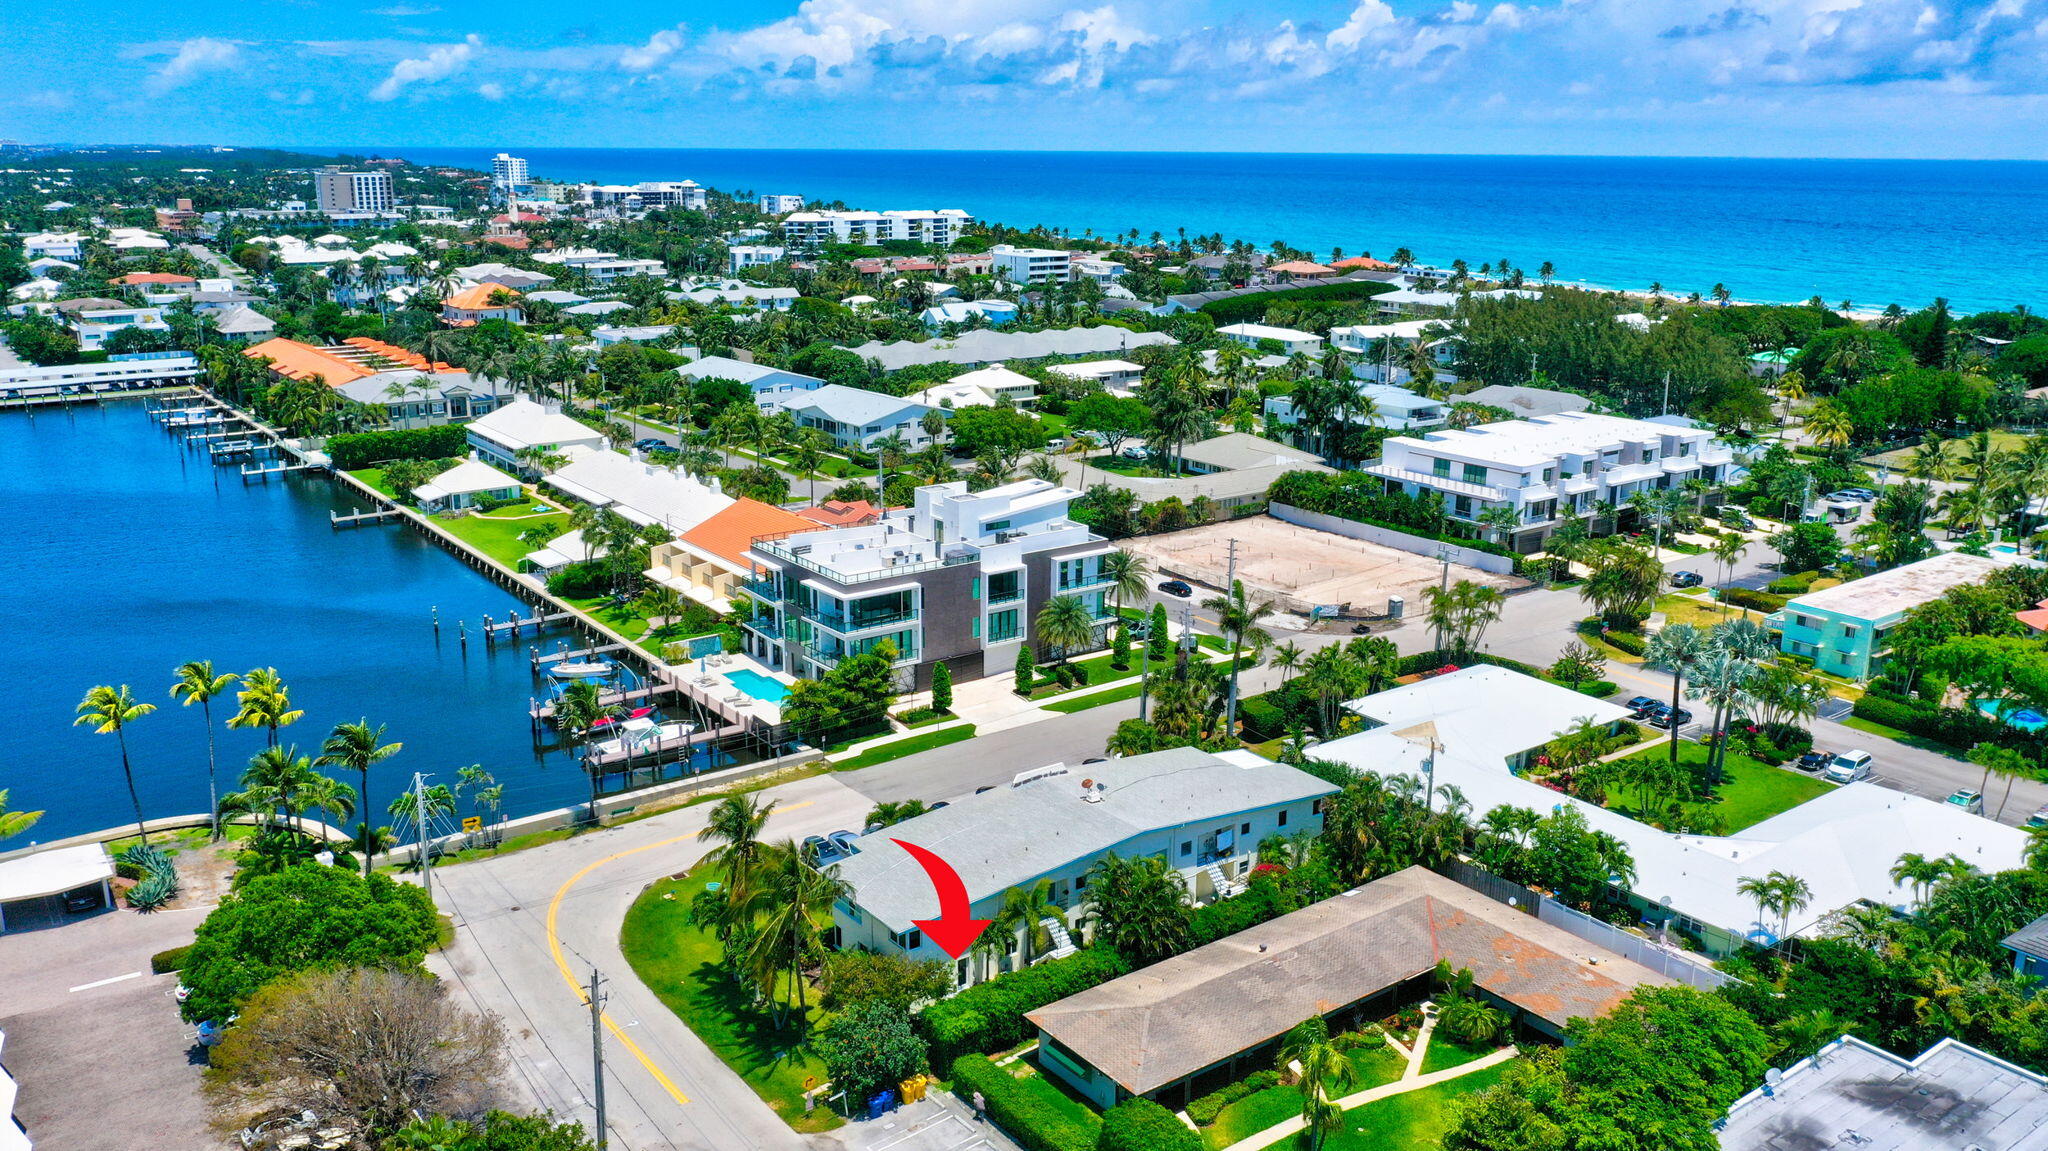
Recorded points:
1283,1130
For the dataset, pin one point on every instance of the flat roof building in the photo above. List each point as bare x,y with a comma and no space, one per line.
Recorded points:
1285,341
1845,630
1952,1097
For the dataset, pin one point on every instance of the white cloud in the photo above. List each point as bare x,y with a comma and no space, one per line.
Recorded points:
438,64
491,90
659,47
195,56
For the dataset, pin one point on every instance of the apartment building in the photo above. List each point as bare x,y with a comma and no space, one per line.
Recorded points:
775,204
338,190
1391,407
957,577
1031,265
739,257
602,268
854,418
1548,466
1844,629
836,226
509,175
646,194
1205,814
1290,340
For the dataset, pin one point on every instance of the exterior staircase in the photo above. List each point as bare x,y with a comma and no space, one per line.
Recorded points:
1223,887
1062,943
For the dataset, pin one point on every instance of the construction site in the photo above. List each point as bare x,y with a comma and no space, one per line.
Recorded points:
1301,569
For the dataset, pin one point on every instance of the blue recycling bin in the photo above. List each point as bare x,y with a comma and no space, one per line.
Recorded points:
882,1103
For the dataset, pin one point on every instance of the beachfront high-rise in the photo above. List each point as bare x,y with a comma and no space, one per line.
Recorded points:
508,175
939,228
956,578
340,191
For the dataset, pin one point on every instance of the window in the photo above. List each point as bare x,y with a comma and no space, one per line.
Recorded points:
1475,473
1005,586
908,940
1281,822
959,968
1848,632
1187,848
1246,829
1441,468
973,592
1549,475
1002,626
1316,808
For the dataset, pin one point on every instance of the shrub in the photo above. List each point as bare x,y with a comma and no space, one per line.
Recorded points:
165,962
1791,740
1142,1125
1632,644
1264,899
353,450
1954,727
1755,600
1033,1122
1262,720
155,890
127,870
989,1016
1599,688
1027,673
1799,583
580,580
1205,1109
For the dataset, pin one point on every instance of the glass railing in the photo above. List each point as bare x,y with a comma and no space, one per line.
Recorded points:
857,621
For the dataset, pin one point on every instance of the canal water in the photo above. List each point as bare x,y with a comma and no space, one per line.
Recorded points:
127,554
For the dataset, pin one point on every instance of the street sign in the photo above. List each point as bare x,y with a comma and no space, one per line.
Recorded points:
472,823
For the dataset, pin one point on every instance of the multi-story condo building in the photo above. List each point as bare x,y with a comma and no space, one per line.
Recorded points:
810,229
739,257
602,267
957,577
775,204
1031,265
1846,630
339,190
646,194
1545,467
1391,407
508,175
1204,814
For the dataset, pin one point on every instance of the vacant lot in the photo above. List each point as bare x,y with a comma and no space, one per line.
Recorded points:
1300,567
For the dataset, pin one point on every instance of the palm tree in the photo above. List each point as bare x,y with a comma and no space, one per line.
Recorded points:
1326,1074
791,910
1333,676
1931,460
265,703
333,799
1727,551
1023,916
1064,625
1791,389
271,785
1828,425
1502,520
1677,648
1239,615
354,747
1126,572
13,823
892,812
1287,657
1917,871
1759,889
1789,894
736,824
106,708
198,684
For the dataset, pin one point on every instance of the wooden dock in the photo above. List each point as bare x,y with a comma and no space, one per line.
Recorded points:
265,471
543,659
53,401
541,711
357,519
511,628
659,752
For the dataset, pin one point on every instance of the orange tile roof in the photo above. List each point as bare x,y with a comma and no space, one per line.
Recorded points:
1301,268
841,515
728,533
304,361
152,278
1366,262
2035,617
398,355
478,298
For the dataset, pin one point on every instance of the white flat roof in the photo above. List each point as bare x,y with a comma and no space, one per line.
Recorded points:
1890,593
54,872
1544,438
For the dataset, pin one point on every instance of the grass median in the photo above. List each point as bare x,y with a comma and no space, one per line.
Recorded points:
898,748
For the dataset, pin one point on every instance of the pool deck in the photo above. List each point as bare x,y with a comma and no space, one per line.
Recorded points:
2022,718
710,678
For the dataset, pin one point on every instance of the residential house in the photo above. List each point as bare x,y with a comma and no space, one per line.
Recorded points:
1526,403
842,513
643,492
506,276
468,484
1390,407
2029,947
709,562
1547,467
759,377
1188,1025
1031,265
1845,629
66,246
244,325
510,436
152,281
983,346
776,204
993,312
1301,270
92,326
1382,348
1205,814
1850,1093
740,257
852,417
601,268
479,302
1280,341
1479,729
136,240
1103,271
981,388
594,308
958,577
1211,267
737,294
605,335
1410,302
413,391
1118,377
1237,451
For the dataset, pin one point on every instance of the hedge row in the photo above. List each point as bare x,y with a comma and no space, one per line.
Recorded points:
352,450
1034,1123
1253,305
165,962
1142,1125
989,1016
1625,641
1954,727
1205,1109
1755,600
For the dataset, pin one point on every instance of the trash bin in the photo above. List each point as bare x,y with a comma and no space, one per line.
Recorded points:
881,1104
913,1089
1395,606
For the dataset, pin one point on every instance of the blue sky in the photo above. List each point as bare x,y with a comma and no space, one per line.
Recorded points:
1937,78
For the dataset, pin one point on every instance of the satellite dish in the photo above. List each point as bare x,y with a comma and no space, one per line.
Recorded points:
1773,1076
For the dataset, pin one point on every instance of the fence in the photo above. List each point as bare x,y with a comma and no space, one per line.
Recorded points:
1628,945
1388,537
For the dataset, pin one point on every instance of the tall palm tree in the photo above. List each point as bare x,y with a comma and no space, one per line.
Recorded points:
791,909
1789,894
1239,615
736,824
333,799
1023,916
1727,551
1828,424
197,683
105,709
1287,657
1064,625
1326,1075
356,746
272,785
1126,572
1677,649
265,702
13,823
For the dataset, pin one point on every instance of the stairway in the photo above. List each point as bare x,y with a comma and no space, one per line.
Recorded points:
1223,887
1062,943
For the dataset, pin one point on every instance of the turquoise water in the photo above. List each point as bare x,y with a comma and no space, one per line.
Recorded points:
128,555
759,686
2025,718
1872,231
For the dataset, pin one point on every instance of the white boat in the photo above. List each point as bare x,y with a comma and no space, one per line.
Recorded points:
591,669
640,735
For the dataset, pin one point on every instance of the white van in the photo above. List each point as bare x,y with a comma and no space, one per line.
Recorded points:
1848,767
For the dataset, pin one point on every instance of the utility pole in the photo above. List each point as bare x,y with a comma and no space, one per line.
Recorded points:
1230,594
1667,395
419,818
596,997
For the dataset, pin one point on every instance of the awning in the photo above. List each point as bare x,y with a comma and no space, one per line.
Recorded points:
54,872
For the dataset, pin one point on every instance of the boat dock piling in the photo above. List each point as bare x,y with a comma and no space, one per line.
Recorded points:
512,627
265,471
542,659
358,517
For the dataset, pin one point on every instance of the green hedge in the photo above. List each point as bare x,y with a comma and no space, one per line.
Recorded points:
1029,1119
1625,641
989,1016
1142,1125
1205,1109
1259,902
1798,583
1955,727
1755,600
352,450
1597,688
165,962
1262,720
1238,309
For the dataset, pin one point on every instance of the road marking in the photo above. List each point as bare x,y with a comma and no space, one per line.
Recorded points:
104,982
569,977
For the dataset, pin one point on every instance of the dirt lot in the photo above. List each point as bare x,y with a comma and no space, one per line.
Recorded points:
1299,567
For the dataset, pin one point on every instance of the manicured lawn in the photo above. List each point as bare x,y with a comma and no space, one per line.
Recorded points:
897,749
679,963
1444,1052
497,534
375,478
1696,610
1098,668
1752,792
1124,467
1053,1094
1097,699
1416,1120
1254,1113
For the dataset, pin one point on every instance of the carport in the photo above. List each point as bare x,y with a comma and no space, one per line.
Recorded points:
33,887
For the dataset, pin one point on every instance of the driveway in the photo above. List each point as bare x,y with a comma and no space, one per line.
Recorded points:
103,1060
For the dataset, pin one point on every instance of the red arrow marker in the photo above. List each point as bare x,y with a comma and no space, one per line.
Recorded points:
954,931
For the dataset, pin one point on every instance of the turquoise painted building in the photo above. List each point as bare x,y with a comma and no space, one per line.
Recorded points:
1843,629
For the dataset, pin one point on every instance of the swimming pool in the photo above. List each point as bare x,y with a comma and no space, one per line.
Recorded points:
757,685
2025,718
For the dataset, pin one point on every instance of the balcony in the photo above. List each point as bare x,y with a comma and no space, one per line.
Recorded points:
829,657
762,589
857,622
1439,483
1088,583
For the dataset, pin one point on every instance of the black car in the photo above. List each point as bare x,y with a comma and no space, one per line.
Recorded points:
83,899
1642,705
1664,717
1361,629
1686,579
1815,760
1177,587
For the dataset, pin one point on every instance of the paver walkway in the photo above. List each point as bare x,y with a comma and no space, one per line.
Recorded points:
1408,1082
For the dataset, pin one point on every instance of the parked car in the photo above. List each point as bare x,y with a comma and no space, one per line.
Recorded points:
83,899
843,841
1665,717
1134,453
1848,767
1056,443
1361,629
1815,760
2038,819
817,850
1686,579
1642,705
1969,799
1864,495
1179,587
650,444
1734,517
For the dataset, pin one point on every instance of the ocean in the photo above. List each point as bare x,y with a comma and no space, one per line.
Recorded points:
129,554
1874,232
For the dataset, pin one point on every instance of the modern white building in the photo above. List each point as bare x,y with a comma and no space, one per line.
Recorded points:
508,436
646,194
994,312
1390,407
852,417
1380,348
118,373
466,485
1409,301
1545,467
66,246
92,326
981,388
1031,265
777,203
834,226
602,267
738,294
1119,377
338,190
509,175
740,257
1105,272
1205,814
1290,340
643,492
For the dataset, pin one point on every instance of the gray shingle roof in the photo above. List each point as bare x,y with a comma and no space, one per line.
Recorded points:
988,347
1526,401
2032,939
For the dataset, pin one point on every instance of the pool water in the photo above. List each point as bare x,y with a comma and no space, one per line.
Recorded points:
759,686
2025,718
